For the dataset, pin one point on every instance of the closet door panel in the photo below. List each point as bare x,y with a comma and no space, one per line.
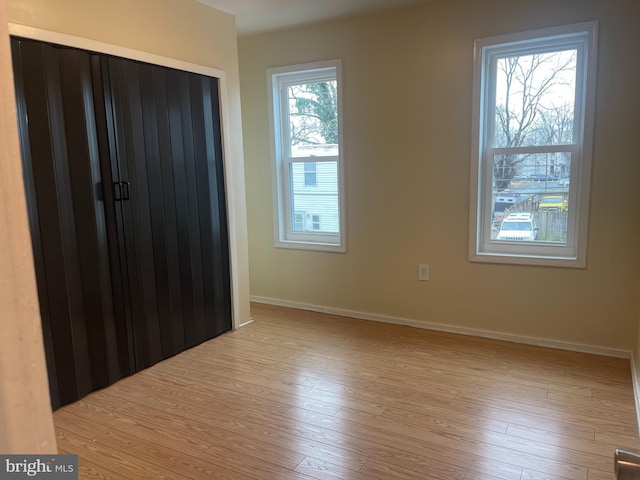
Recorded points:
128,159
60,154
90,221
117,257
34,224
172,318
189,248
212,200
168,151
57,219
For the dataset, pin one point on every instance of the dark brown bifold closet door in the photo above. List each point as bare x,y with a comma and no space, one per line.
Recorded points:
123,173
85,347
166,160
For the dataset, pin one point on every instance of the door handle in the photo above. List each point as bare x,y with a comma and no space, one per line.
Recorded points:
121,191
627,465
125,190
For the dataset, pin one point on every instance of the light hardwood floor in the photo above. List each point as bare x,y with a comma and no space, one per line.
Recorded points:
301,395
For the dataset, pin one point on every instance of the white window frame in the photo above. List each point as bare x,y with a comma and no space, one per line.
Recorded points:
277,79
481,248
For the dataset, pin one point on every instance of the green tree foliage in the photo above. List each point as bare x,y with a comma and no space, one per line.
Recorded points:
314,113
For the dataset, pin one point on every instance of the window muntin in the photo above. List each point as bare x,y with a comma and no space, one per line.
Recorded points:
532,94
308,166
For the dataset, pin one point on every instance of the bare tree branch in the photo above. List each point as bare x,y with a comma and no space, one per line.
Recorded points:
530,80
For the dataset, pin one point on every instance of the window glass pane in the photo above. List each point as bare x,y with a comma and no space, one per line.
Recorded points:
535,99
310,174
315,207
313,119
530,198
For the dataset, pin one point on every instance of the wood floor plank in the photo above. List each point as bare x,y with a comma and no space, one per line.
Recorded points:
88,429
407,451
617,405
115,460
200,394
591,447
279,392
492,445
321,470
576,404
377,469
471,475
612,421
616,440
623,395
605,383
233,441
170,461
104,417
208,424
473,409
601,475
258,426
247,466
549,383
91,470
200,391
528,474
255,360
301,395
448,422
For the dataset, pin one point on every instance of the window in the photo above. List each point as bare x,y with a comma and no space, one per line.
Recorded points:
531,152
310,172
298,220
307,156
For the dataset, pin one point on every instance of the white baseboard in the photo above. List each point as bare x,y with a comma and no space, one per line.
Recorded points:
542,342
248,322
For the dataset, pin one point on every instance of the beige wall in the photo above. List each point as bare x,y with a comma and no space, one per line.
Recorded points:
407,90
185,30
25,411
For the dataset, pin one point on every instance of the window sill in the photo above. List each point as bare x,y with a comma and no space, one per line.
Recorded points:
314,246
540,261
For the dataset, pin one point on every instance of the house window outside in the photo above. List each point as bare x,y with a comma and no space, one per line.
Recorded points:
532,135
307,156
298,220
310,174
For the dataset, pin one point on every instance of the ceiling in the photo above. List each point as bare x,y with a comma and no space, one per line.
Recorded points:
257,16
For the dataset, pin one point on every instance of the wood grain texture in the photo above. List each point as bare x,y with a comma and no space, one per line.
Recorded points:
300,395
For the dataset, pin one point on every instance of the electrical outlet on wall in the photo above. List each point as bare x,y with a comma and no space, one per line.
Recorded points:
423,272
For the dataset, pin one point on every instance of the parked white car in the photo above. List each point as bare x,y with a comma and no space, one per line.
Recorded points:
518,226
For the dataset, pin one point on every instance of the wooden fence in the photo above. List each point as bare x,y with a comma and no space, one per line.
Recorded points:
552,225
